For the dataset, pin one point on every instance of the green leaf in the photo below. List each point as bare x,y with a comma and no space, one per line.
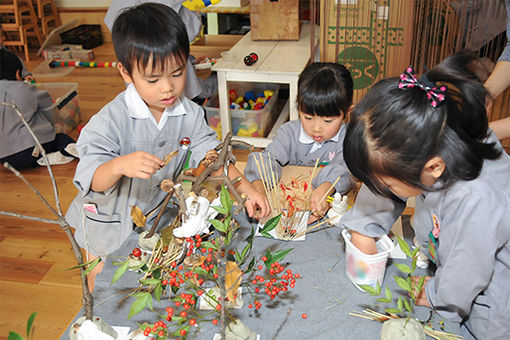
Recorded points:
251,265
158,291
221,210
150,282
30,323
229,237
200,271
138,305
225,199
407,305
91,266
413,263
387,294
84,264
419,287
120,272
369,289
279,255
245,251
14,336
237,257
218,225
249,239
208,245
415,251
148,297
400,304
271,224
404,268
402,283
392,311
266,234
404,246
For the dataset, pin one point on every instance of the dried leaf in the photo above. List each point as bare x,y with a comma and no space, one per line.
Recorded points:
169,157
232,279
138,217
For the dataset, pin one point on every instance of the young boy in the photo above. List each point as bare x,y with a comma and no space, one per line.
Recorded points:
324,99
122,147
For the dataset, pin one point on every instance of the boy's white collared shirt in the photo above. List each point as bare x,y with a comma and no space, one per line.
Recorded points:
139,110
304,138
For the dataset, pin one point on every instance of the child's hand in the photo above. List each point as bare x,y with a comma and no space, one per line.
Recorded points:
365,244
318,205
421,297
139,164
257,204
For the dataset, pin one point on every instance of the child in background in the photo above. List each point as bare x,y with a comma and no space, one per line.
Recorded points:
324,99
17,146
122,147
429,138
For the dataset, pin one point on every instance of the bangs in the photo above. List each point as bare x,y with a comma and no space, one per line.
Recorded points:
322,102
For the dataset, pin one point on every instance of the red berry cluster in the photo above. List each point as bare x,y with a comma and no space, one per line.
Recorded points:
159,329
193,243
274,284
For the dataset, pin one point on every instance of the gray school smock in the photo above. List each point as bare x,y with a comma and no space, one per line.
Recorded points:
34,106
291,146
472,254
113,132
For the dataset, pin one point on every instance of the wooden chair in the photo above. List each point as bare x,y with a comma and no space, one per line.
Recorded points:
46,12
18,23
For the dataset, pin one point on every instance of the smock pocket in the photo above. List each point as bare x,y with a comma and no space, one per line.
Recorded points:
102,233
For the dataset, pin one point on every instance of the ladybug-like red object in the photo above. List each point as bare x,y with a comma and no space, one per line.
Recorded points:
251,59
185,141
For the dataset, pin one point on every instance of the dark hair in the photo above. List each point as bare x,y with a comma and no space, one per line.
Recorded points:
150,32
9,65
325,89
394,132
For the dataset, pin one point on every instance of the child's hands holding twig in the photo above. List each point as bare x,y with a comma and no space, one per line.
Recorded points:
139,164
257,204
318,203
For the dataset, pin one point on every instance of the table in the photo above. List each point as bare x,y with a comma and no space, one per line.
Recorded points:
279,62
324,293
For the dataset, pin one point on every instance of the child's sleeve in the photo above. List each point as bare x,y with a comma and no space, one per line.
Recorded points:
203,138
336,168
99,142
471,233
278,150
372,215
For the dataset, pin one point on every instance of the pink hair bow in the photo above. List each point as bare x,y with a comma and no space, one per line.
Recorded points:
434,94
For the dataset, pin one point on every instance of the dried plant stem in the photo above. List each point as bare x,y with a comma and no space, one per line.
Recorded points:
160,213
43,153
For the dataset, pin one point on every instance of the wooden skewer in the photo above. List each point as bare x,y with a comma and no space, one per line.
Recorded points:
314,226
263,182
312,175
331,187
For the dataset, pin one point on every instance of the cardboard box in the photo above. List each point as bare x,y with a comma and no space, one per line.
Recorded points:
65,97
67,52
211,46
372,38
274,20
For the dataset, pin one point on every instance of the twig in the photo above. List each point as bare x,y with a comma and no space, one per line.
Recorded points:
87,299
43,153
